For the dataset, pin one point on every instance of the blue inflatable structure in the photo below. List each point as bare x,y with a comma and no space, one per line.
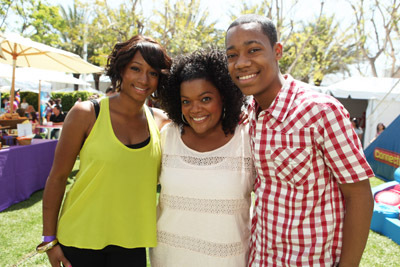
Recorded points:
385,219
384,157
384,153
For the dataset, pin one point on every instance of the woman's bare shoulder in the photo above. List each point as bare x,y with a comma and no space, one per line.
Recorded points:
81,114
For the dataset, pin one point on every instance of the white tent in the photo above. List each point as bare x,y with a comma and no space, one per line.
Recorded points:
23,85
382,96
33,76
104,83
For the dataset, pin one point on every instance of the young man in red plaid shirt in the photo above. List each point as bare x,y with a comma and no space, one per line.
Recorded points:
313,201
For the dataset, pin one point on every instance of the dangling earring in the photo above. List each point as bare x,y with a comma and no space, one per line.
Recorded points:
183,119
223,113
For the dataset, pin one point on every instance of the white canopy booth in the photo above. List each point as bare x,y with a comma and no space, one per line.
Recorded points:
381,97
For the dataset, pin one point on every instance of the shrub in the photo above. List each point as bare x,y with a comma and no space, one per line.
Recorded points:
67,99
31,98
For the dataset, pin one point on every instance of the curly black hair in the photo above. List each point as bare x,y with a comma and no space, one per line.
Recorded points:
152,52
208,65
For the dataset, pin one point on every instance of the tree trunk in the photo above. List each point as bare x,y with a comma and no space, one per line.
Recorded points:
96,79
76,86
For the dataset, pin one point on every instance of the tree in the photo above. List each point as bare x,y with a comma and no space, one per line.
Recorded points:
310,50
109,26
183,28
112,25
282,16
327,51
74,36
39,21
377,33
5,6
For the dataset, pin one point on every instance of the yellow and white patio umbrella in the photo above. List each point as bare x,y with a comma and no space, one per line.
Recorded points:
23,52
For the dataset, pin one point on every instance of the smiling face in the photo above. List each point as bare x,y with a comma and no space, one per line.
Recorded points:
202,106
253,62
139,79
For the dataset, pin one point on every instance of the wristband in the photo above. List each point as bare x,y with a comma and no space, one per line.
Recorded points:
41,248
48,238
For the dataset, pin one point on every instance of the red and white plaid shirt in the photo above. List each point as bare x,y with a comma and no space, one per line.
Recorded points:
303,145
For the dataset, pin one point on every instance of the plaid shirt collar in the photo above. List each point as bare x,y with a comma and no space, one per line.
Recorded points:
280,107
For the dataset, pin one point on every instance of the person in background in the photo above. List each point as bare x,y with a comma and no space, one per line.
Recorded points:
207,171
48,109
51,103
357,128
379,129
313,201
109,215
24,104
4,104
21,112
35,122
57,118
17,98
7,105
30,109
94,96
57,102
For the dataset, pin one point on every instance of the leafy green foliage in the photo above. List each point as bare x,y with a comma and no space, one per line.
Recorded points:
67,100
80,94
183,28
40,21
73,36
5,6
31,98
312,49
325,51
110,25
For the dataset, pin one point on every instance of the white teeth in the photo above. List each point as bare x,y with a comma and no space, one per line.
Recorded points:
199,119
246,77
140,89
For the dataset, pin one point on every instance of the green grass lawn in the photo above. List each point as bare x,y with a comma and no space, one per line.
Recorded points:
21,231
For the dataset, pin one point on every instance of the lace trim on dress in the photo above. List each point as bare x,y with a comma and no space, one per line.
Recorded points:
230,163
200,246
216,206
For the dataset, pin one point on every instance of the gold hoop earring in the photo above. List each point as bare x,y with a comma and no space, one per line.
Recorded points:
183,119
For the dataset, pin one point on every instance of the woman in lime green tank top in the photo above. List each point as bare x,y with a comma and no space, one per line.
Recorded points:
108,216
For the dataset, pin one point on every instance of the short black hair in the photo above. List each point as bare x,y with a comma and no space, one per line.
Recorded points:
58,107
152,52
267,26
208,65
356,122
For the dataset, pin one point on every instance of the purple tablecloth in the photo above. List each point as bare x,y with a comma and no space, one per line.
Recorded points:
24,170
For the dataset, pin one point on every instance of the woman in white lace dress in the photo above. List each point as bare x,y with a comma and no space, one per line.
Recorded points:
207,172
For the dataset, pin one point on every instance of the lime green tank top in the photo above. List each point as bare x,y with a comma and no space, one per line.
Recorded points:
113,200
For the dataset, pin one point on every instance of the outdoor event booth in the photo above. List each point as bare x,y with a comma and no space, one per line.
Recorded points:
24,170
384,157
385,219
383,154
375,99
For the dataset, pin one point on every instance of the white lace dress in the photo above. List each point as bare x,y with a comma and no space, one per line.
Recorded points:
204,207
